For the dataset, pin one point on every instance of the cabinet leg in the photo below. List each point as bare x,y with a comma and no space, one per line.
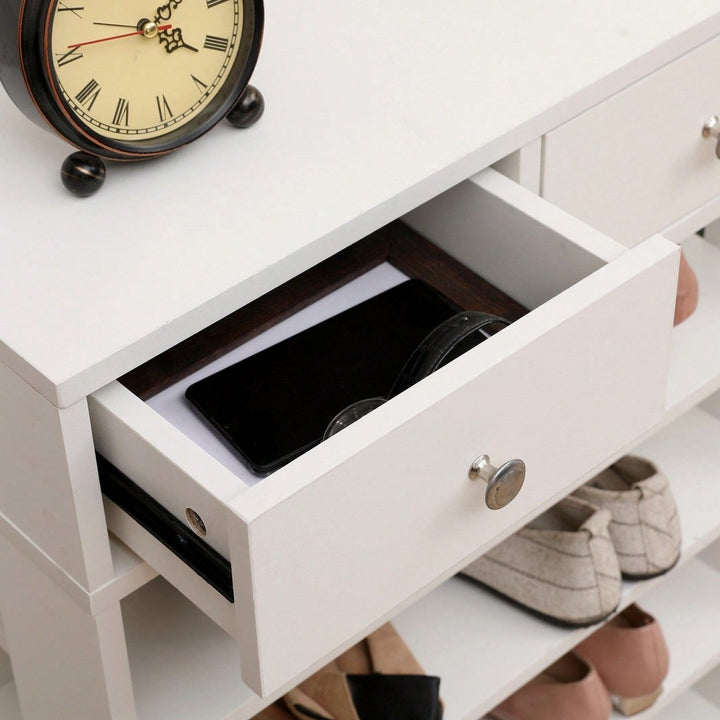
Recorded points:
67,663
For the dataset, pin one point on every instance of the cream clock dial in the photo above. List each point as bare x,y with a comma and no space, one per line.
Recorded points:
130,80
124,74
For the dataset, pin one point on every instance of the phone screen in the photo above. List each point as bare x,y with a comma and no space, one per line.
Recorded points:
276,404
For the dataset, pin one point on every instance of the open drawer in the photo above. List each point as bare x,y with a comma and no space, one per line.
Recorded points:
343,537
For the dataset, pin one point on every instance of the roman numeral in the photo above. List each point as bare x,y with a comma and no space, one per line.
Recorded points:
62,7
88,95
199,84
122,113
68,57
164,110
213,3
216,43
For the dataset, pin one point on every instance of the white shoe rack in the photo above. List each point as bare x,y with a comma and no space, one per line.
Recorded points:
184,666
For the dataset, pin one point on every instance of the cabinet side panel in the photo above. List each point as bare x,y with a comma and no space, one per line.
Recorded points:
48,481
67,663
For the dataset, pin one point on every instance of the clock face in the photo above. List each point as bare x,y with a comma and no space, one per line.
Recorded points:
135,71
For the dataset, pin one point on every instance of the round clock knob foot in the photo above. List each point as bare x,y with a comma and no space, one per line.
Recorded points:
83,174
248,109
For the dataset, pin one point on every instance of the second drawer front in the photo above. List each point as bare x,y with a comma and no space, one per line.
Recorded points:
637,162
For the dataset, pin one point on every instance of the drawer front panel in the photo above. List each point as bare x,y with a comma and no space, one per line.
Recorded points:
560,389
637,162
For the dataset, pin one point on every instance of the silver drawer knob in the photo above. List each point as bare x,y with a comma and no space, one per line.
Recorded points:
503,483
711,128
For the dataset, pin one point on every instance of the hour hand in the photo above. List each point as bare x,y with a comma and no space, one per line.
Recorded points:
172,40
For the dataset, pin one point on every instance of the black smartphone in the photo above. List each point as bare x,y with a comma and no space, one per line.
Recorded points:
276,404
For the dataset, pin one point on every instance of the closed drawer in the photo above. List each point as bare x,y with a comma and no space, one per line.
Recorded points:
343,537
637,163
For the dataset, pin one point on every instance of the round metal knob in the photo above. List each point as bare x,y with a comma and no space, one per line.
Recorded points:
711,128
503,483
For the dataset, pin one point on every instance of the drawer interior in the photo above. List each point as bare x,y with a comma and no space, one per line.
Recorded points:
374,264
524,257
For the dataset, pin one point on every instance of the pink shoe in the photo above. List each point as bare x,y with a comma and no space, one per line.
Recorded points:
687,291
631,657
570,689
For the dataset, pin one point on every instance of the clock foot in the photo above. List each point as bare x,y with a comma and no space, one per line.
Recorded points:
83,174
248,109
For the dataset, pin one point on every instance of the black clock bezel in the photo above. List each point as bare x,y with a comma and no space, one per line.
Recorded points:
34,25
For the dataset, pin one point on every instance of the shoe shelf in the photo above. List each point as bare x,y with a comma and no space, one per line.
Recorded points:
484,647
183,665
691,706
131,573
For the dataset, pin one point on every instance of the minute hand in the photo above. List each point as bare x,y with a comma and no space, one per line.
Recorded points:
115,37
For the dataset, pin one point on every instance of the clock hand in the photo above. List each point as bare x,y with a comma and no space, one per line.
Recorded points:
116,37
115,25
173,41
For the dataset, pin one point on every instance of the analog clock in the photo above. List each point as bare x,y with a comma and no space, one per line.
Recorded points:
130,80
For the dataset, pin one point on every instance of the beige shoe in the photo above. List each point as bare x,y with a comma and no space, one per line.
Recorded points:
645,527
562,565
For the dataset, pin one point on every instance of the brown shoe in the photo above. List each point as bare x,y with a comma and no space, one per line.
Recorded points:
376,679
570,689
631,657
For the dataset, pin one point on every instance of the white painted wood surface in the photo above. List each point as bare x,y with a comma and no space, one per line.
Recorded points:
5,669
373,107
709,686
48,486
183,666
690,706
9,707
637,162
162,460
522,244
172,568
65,660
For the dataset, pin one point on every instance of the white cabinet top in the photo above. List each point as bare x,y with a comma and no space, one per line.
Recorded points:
373,107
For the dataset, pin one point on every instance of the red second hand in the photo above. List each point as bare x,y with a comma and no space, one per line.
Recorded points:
116,37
